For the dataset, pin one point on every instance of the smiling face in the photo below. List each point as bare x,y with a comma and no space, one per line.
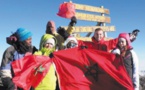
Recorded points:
122,42
98,34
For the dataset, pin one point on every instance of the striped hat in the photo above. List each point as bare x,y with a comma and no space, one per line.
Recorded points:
23,34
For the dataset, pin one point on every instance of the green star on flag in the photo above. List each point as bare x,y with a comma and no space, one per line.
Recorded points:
39,69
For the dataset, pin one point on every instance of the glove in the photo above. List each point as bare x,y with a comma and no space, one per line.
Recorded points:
51,55
135,32
7,82
83,47
73,21
133,35
116,51
63,33
12,39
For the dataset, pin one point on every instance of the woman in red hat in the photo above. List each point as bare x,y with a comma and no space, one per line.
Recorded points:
129,57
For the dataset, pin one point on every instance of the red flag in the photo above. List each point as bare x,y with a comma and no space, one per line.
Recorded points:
89,69
77,69
30,70
66,10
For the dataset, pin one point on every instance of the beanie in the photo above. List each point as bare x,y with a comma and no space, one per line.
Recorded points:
45,39
126,36
23,34
69,39
51,40
51,24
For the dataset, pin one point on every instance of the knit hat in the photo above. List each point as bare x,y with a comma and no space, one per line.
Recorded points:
125,36
47,38
51,40
23,34
69,39
51,24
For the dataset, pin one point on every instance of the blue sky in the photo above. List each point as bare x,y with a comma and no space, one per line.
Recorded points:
126,15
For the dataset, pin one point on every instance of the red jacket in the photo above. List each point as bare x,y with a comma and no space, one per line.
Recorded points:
100,45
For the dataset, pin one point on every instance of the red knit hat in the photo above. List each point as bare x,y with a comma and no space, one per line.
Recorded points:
126,36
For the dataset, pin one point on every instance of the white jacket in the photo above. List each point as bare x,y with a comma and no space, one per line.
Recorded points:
135,68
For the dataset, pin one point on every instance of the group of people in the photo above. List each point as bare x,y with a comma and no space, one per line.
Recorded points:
61,39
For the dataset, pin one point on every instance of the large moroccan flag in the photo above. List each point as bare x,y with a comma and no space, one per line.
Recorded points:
89,69
77,69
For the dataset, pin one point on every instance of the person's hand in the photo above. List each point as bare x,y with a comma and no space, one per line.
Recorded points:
51,55
133,35
10,40
73,21
63,32
116,51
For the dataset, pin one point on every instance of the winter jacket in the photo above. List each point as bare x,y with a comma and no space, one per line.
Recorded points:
100,45
9,56
60,39
135,70
6,72
131,64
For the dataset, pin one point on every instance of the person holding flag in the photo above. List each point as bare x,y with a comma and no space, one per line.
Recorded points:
20,43
47,46
130,58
